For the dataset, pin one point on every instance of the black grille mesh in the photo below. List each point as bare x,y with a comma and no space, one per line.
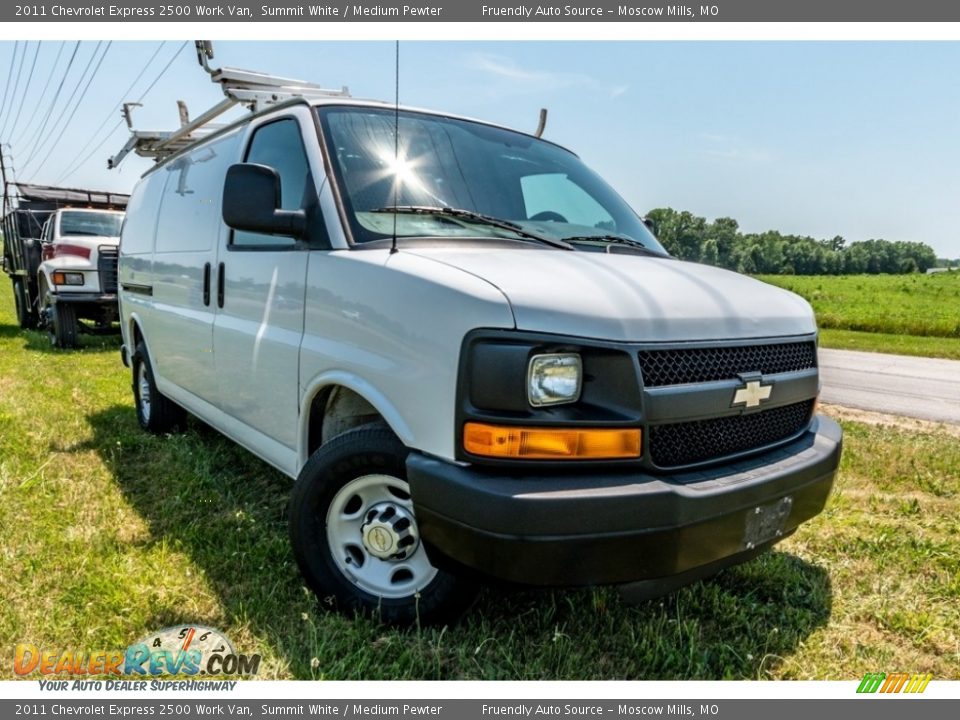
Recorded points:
699,441
697,365
107,266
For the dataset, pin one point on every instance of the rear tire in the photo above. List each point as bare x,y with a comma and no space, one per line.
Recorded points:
156,413
355,536
26,315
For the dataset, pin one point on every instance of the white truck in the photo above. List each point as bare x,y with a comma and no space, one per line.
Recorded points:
61,250
471,354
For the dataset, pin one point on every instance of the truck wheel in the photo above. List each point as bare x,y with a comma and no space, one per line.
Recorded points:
355,535
156,413
62,327
26,317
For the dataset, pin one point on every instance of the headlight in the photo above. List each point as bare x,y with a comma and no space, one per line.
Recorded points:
554,379
67,278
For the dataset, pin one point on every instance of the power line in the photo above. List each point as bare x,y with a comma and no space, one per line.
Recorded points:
58,136
46,137
35,138
16,86
73,93
120,121
69,166
26,88
7,109
43,94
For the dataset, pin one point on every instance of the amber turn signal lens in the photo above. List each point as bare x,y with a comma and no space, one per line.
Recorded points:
531,443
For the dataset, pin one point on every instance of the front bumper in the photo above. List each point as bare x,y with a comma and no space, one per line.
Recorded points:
84,298
592,528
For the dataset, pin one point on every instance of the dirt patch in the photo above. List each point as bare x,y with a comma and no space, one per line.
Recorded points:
868,417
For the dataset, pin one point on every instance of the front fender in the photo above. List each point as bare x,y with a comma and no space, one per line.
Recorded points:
361,387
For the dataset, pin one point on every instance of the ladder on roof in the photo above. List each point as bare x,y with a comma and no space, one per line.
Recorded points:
248,88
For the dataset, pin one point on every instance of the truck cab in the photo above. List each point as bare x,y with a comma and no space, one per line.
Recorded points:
77,277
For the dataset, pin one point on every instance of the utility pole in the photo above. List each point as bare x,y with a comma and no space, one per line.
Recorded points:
6,193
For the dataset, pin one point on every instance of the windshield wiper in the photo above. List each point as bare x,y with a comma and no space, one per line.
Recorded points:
613,240
476,217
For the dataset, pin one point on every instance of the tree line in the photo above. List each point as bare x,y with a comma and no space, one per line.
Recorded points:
690,237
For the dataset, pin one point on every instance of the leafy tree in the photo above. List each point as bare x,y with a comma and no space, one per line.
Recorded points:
691,237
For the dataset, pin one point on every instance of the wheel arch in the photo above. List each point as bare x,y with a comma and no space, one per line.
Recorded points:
135,333
137,336
43,282
351,401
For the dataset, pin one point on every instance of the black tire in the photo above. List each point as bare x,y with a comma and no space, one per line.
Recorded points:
361,455
156,413
26,315
63,328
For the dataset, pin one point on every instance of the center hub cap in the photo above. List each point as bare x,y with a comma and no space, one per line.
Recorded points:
389,532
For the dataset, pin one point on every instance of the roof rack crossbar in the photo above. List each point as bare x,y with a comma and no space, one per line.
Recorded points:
251,89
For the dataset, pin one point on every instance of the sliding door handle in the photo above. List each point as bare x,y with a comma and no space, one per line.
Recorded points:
206,284
220,284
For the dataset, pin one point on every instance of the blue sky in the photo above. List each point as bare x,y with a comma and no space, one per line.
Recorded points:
859,139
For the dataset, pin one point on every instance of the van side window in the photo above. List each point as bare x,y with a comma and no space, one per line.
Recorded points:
278,145
188,219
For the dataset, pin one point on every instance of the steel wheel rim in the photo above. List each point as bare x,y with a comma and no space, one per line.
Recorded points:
143,391
344,522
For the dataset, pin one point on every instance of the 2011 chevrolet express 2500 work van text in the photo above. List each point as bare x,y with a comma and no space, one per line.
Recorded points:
472,355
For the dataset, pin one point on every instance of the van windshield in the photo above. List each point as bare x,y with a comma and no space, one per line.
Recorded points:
90,223
473,169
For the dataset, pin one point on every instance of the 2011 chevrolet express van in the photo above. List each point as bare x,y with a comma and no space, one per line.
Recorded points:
472,355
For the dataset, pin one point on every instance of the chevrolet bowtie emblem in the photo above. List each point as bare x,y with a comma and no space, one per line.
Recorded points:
752,394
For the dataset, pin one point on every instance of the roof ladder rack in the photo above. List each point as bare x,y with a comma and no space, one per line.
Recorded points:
253,90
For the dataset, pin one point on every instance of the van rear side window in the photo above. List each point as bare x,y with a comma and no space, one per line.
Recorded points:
190,219
278,145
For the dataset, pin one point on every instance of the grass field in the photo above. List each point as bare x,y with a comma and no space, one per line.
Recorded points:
107,534
903,314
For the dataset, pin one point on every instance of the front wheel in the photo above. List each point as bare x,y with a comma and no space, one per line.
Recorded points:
355,534
61,321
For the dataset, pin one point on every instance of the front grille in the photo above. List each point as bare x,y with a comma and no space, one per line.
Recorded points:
688,443
707,364
107,267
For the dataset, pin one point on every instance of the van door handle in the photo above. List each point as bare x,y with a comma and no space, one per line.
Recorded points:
220,284
206,284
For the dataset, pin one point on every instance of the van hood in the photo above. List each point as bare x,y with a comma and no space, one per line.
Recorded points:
632,298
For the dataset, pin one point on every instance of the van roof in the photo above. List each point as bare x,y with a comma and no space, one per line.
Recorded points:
343,101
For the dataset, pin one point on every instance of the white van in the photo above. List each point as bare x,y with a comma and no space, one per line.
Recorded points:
473,356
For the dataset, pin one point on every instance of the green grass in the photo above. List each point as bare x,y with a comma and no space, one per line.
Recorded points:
923,305
107,533
935,347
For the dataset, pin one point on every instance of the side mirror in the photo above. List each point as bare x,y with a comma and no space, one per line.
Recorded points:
251,201
651,225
